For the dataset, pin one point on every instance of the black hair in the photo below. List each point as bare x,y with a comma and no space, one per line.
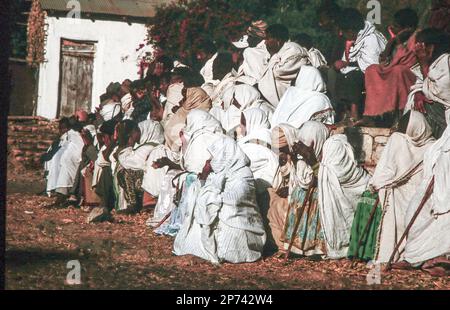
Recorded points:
108,127
330,9
167,62
141,109
278,31
125,128
104,97
438,38
64,121
303,40
351,19
74,124
137,84
222,65
92,117
208,47
193,79
406,18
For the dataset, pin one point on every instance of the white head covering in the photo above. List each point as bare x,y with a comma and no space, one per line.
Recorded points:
151,132
257,126
110,110
341,183
302,101
126,102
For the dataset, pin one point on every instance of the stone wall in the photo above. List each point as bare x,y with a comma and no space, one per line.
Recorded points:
28,138
368,143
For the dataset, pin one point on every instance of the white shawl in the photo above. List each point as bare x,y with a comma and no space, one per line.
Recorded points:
283,68
367,48
436,85
110,110
255,63
174,96
207,70
428,237
398,174
305,99
341,183
135,157
263,161
201,131
316,58
70,159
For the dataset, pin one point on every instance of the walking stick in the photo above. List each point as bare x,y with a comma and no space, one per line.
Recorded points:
425,198
366,229
297,220
163,220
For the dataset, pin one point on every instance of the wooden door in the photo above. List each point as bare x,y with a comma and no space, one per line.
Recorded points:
76,69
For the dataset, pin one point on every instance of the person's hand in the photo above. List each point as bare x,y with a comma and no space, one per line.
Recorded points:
207,169
307,152
419,102
283,192
340,64
161,163
175,109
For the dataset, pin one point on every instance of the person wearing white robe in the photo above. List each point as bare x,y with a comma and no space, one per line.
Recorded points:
316,58
256,60
236,100
398,174
284,64
133,159
174,96
207,70
256,144
69,162
224,223
202,130
341,182
429,234
52,166
305,101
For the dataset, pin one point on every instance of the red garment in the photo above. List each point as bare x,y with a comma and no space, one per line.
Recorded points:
387,87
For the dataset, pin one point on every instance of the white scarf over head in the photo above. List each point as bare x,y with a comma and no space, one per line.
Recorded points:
201,131
367,48
436,86
341,183
302,101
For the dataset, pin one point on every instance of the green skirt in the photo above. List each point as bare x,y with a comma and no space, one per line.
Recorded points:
368,246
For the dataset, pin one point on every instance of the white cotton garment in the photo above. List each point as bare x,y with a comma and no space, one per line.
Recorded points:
53,166
282,69
367,48
428,237
303,101
316,58
207,70
135,158
174,96
341,184
256,60
436,85
70,160
256,145
398,174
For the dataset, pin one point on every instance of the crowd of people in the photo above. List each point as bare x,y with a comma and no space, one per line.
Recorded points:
241,159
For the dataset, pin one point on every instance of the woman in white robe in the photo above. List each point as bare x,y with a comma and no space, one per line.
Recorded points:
223,222
202,130
236,100
429,235
305,101
398,173
341,183
256,144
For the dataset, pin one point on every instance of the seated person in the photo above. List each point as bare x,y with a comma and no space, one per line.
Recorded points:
284,64
224,223
378,228
315,57
305,101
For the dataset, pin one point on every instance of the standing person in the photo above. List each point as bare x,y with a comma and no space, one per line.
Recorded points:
431,95
398,174
364,44
285,62
388,83
224,223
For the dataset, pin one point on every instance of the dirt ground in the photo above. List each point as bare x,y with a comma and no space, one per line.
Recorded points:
125,254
